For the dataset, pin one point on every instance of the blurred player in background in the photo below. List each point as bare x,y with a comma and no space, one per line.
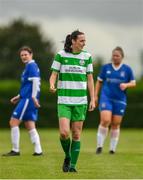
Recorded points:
28,104
114,79
73,68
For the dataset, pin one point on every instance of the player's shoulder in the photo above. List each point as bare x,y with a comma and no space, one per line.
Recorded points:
61,52
87,54
126,67
107,65
31,64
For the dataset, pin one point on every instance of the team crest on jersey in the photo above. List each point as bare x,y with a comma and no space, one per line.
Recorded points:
82,62
122,74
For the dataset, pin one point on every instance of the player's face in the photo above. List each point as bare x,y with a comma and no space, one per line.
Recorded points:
116,57
25,56
79,43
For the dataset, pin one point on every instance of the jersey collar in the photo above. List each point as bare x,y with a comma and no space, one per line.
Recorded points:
31,61
117,68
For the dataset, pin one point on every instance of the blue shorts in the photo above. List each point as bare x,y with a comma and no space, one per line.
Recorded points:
117,108
25,110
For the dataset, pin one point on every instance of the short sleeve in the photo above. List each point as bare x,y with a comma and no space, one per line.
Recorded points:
130,75
56,63
89,66
33,71
101,76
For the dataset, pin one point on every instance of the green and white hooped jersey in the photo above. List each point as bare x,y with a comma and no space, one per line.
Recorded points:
72,80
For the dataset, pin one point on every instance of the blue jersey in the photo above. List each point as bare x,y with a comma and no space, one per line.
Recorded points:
30,72
112,78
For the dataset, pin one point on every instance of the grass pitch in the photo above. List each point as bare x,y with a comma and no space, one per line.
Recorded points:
127,163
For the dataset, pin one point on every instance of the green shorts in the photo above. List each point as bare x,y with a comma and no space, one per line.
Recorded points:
73,113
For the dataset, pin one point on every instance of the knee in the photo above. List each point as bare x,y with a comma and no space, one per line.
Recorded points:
105,122
76,136
13,123
115,126
64,134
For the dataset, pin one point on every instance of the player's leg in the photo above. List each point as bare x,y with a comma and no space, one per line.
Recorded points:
76,128
78,117
118,113
105,120
15,137
105,108
34,136
64,114
115,132
14,125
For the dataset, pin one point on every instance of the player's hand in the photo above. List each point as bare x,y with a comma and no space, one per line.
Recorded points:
36,102
123,86
52,89
96,101
15,99
91,105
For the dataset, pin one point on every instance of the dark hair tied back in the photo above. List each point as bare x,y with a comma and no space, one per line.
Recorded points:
68,42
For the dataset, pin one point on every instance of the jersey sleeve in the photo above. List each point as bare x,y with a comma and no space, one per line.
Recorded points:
56,63
130,75
101,76
89,69
33,71
34,77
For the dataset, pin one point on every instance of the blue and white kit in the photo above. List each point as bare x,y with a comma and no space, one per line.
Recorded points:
112,98
30,87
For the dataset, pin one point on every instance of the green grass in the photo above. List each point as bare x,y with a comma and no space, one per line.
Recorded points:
127,163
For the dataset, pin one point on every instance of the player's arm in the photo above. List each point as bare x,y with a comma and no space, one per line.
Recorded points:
52,81
131,82
90,84
124,86
35,90
98,86
34,77
15,99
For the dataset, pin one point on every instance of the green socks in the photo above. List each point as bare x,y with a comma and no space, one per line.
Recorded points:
66,146
75,149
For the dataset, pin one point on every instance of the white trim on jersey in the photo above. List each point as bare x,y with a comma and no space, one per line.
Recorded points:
56,65
117,68
89,68
99,79
35,85
72,85
133,81
83,55
24,109
31,61
72,100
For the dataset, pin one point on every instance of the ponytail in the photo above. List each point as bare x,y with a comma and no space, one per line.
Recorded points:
68,43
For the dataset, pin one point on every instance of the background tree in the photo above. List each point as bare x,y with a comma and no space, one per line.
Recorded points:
97,63
17,34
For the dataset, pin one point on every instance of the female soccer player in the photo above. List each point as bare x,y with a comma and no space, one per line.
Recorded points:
28,104
115,78
73,67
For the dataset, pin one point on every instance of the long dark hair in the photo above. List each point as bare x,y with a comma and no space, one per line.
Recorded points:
68,41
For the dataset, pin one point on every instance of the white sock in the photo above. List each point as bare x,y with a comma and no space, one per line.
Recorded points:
35,140
101,135
114,139
15,138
